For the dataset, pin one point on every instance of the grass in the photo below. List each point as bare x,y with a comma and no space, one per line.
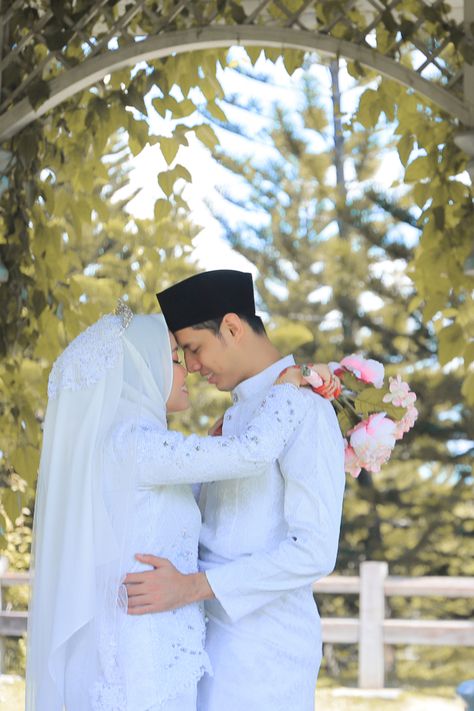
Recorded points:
349,699
328,698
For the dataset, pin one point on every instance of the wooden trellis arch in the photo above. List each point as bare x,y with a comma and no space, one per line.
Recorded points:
427,45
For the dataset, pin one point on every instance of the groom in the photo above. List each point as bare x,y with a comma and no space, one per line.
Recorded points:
264,540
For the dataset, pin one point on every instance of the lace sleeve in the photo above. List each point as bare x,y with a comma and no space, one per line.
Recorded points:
166,457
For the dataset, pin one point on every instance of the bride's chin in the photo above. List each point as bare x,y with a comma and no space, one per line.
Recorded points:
184,404
180,406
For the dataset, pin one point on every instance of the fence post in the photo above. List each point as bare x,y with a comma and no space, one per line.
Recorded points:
371,617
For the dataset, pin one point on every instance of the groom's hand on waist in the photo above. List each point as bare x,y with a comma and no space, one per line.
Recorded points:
164,587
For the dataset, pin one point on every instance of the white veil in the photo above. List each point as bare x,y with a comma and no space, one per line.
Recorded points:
118,364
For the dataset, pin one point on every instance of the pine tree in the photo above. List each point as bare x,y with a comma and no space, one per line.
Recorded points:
332,255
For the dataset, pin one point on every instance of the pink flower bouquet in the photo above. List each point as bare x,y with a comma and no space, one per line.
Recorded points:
372,416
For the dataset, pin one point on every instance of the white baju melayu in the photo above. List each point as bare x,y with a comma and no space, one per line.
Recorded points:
263,542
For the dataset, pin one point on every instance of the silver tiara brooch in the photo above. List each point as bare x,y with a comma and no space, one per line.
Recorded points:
124,312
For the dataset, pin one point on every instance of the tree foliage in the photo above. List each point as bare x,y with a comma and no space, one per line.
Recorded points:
66,251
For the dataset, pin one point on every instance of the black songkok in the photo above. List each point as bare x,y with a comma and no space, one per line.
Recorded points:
207,296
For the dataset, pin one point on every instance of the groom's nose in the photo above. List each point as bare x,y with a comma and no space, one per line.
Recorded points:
192,363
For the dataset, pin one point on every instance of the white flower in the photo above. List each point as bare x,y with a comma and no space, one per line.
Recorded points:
400,394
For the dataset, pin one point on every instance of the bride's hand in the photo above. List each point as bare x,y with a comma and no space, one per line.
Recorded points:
291,375
327,385
330,386
216,429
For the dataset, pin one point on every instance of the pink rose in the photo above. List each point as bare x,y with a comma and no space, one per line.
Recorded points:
351,463
367,370
400,394
373,440
406,423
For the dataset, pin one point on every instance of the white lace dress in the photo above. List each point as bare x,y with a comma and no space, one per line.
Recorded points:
153,662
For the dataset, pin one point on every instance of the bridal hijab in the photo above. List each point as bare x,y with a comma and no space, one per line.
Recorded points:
121,364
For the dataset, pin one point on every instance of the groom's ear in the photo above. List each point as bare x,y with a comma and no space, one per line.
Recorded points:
234,325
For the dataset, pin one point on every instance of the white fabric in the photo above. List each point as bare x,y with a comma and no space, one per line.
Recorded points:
166,457
263,542
148,366
170,523
106,453
72,537
77,552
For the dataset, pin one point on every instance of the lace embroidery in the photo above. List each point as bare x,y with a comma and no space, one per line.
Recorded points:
87,358
146,661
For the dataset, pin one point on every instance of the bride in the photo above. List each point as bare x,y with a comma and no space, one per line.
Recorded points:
114,480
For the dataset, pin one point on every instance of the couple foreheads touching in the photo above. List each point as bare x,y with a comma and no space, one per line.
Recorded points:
173,572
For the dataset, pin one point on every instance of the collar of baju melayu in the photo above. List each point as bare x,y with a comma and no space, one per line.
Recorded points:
261,382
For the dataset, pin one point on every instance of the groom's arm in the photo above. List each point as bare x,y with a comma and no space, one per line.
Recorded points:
313,469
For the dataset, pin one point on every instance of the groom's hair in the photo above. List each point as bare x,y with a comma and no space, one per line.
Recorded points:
214,325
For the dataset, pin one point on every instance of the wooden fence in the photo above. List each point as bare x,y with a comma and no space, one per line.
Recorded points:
370,631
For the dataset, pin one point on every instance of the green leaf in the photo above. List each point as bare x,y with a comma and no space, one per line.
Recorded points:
211,88
169,148
27,148
433,304
346,423
417,169
468,354
159,106
216,111
166,180
421,193
451,343
162,209
414,303
369,108
184,108
207,135
37,92
405,147
182,172
25,461
56,38
135,98
438,213
468,388
237,12
371,400
351,382
389,21
457,191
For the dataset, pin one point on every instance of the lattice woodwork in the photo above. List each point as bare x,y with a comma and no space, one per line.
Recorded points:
434,47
